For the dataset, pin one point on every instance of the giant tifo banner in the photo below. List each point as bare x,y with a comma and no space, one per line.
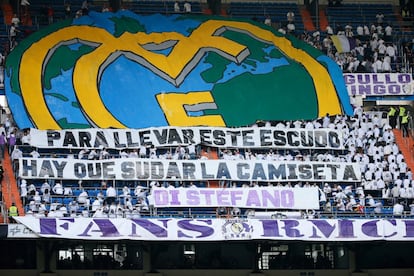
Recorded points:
170,229
160,170
253,137
124,70
379,84
257,197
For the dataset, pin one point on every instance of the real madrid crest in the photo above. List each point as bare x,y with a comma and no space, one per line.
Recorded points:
237,229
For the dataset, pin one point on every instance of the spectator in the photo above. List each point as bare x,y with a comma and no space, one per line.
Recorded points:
360,32
3,144
62,211
58,189
153,152
291,28
388,33
110,195
36,198
31,190
11,141
133,154
329,30
96,204
25,7
290,17
104,154
140,192
13,212
268,21
83,153
125,191
378,208
391,51
85,7
93,155
67,191
50,14
401,113
177,7
23,191
105,8
15,20
26,137
143,151
73,207
83,198
45,186
2,63
13,35
68,12
46,196
411,209
398,209
15,155
348,31
386,65
112,211
405,13
222,212
123,153
187,7
380,18
404,124
392,116
78,13
235,212
34,153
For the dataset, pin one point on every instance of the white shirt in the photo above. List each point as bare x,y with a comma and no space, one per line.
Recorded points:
13,31
83,197
23,188
110,192
95,205
388,30
58,189
16,154
176,7
398,209
187,7
16,21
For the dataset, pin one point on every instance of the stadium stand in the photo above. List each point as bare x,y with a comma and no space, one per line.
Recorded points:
384,155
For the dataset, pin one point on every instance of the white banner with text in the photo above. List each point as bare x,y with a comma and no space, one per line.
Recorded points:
249,137
187,170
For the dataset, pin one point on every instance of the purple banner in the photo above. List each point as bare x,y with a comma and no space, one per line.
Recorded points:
379,84
257,197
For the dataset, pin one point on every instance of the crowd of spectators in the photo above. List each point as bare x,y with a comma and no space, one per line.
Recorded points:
375,50
368,138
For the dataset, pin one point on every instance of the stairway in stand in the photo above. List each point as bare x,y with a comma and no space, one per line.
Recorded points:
210,153
323,19
307,20
406,145
10,190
